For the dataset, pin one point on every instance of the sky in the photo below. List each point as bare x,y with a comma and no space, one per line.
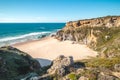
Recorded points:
56,10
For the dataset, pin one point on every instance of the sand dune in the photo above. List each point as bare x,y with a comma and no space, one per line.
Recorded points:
49,48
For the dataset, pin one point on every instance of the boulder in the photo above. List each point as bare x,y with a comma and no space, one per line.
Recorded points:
59,65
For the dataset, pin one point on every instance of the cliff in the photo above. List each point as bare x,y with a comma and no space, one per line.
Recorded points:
100,34
108,21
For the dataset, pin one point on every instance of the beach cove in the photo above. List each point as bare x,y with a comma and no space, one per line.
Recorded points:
47,49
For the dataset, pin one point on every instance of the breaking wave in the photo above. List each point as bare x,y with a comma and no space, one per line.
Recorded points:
23,38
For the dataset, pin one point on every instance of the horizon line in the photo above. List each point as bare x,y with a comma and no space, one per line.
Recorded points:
32,22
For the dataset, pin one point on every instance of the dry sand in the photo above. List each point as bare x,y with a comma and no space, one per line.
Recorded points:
49,48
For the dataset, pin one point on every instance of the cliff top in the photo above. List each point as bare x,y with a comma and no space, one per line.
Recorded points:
108,21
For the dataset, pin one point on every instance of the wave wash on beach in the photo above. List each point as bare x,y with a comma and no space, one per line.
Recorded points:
12,33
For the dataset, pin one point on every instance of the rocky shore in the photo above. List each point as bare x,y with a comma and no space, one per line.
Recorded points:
100,34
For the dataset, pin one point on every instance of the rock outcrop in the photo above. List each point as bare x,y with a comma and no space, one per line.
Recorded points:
97,33
87,30
109,21
60,65
15,64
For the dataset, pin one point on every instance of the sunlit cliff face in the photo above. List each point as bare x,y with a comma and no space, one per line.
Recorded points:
109,21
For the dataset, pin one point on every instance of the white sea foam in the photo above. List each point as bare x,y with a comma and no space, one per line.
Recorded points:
26,37
23,36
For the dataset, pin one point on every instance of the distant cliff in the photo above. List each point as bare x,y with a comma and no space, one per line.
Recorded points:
97,33
109,21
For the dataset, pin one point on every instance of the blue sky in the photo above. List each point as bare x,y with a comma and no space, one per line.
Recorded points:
56,10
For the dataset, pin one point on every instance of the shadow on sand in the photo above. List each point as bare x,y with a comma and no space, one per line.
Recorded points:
44,62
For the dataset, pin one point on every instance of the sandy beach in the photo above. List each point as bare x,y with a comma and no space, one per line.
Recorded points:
49,48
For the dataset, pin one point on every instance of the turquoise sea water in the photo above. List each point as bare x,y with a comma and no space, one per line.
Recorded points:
11,33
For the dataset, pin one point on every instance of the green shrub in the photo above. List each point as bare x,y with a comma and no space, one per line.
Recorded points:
72,76
91,74
103,62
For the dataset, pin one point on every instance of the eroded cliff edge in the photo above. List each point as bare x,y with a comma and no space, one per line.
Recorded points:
108,21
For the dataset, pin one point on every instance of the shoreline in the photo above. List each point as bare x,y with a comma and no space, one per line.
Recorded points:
49,48
29,41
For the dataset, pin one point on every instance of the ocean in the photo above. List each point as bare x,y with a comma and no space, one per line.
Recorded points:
11,33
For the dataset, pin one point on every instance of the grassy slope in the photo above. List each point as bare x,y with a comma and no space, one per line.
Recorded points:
110,47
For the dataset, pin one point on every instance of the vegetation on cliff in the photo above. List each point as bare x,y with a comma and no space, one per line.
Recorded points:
15,64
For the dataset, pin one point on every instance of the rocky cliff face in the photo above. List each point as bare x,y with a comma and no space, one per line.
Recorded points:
86,28
109,21
97,33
